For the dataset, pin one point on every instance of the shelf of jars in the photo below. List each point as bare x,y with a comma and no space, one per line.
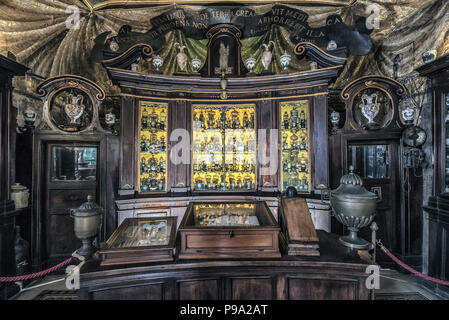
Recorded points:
295,155
446,136
152,157
224,148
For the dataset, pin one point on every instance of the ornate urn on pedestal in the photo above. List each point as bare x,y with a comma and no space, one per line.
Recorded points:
88,218
354,207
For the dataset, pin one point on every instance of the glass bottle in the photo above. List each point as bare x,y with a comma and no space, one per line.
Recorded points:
303,121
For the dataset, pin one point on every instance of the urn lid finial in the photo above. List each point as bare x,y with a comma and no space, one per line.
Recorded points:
351,178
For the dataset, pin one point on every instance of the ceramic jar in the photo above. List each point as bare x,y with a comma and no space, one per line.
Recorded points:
429,56
157,62
285,60
20,195
251,64
196,64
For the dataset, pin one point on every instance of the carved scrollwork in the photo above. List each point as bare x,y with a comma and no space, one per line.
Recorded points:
71,104
367,94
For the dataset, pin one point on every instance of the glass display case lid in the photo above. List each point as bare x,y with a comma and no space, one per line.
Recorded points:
225,214
144,232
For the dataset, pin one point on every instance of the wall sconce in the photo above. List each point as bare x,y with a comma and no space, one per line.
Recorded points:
29,116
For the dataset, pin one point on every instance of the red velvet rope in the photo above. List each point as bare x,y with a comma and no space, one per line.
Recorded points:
419,274
37,274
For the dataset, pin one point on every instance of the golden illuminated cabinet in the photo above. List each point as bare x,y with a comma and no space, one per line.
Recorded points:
152,155
224,154
295,141
231,135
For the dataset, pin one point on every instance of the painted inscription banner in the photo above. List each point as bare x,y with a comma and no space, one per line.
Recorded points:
195,25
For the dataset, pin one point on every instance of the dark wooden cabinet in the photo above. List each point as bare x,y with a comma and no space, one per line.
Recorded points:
70,162
228,230
8,69
376,154
437,207
266,94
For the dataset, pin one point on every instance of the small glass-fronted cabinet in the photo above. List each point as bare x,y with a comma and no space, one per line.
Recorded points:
224,148
232,229
139,240
446,141
295,154
152,166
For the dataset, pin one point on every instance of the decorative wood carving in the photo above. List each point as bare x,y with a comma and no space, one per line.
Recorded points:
391,89
85,98
229,36
130,56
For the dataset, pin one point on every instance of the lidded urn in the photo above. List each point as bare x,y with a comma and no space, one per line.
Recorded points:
88,218
354,207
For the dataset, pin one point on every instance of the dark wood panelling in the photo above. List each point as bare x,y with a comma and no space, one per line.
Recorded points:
251,289
319,142
208,289
60,237
336,274
69,199
321,289
128,145
146,292
8,69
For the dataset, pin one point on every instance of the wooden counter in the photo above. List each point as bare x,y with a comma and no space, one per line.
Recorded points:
336,274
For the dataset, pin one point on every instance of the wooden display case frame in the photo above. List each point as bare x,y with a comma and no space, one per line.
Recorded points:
309,159
223,242
256,172
143,254
138,151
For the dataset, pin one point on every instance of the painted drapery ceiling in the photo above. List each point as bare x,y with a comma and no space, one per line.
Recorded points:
36,32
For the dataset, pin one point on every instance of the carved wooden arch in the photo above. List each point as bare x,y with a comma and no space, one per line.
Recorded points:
216,31
50,87
130,56
322,58
393,89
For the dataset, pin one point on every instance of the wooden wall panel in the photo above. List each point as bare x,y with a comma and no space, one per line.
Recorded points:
208,289
251,289
147,292
127,155
319,289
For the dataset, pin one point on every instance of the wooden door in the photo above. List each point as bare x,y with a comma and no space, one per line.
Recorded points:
377,163
71,174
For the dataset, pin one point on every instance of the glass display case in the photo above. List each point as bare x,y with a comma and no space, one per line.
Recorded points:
224,148
446,141
139,240
234,229
295,154
152,166
225,214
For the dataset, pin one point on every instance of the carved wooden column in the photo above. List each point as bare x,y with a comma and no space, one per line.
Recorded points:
267,120
180,119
